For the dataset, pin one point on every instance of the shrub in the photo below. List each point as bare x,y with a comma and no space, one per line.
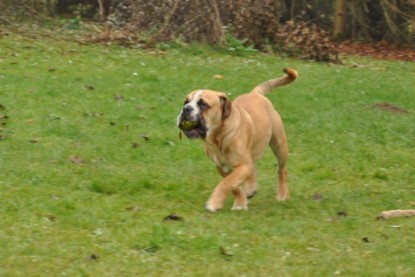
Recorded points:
307,41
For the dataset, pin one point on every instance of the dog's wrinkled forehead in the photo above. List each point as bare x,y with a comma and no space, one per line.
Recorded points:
207,96
194,96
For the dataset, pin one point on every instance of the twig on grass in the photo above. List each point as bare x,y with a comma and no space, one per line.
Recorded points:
396,213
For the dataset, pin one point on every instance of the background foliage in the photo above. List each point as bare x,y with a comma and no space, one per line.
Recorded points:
264,24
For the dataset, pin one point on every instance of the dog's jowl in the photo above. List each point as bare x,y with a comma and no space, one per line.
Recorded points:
235,134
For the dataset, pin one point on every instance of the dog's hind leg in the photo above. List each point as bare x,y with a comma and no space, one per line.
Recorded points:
240,200
240,193
279,146
250,185
245,192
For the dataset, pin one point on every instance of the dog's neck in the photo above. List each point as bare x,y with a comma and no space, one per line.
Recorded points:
224,130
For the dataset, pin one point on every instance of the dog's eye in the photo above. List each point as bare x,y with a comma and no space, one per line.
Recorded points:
203,105
186,101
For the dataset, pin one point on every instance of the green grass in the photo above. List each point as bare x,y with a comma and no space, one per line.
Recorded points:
91,163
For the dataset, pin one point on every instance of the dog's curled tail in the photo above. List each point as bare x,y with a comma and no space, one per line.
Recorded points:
269,85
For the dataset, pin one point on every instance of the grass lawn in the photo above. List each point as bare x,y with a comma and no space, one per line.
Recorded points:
91,164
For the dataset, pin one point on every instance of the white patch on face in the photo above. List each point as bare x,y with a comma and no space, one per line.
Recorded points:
198,93
193,104
195,112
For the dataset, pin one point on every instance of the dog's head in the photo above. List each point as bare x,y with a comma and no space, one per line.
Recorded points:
203,111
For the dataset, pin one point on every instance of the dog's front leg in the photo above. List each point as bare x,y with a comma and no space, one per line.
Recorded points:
231,183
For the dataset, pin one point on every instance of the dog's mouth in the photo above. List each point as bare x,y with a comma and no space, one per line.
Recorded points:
193,129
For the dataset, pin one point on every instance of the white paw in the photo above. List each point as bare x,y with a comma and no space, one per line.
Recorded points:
239,207
211,208
282,197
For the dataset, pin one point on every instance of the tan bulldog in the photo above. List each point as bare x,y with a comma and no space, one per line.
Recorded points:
236,134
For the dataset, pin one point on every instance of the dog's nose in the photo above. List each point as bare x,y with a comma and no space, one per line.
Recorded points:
187,109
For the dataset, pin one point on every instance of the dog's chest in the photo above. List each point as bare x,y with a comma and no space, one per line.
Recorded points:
216,156
220,164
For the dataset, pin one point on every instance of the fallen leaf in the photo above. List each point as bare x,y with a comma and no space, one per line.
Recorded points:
35,140
89,87
98,232
93,114
366,239
224,252
51,217
330,220
170,143
97,161
389,107
357,65
135,144
118,97
217,76
317,197
342,213
54,117
152,248
133,208
145,137
3,119
173,217
76,159
93,257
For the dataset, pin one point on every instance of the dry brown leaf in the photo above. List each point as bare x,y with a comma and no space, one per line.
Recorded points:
76,159
173,217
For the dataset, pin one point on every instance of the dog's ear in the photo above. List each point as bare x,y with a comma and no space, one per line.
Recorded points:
226,106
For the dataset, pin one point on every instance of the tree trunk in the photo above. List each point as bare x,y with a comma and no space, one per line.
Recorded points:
340,18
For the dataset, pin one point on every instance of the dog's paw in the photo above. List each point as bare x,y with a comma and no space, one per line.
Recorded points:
282,197
251,195
237,207
211,208
216,202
